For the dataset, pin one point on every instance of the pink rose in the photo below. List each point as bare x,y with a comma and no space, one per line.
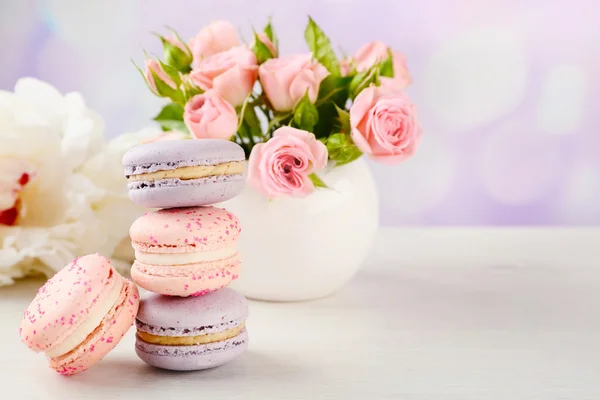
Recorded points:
384,124
267,42
281,166
369,55
376,52
218,36
401,77
154,66
209,116
345,67
286,80
231,73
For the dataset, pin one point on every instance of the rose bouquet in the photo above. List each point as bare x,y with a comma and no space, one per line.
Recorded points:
292,114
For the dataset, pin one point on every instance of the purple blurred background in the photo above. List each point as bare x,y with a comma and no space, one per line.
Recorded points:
505,88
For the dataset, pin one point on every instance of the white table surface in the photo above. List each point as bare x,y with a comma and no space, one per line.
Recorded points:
434,314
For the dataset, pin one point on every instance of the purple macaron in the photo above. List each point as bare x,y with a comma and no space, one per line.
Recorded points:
192,333
184,173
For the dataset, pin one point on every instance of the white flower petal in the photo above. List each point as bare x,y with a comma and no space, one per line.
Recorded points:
76,202
76,141
42,97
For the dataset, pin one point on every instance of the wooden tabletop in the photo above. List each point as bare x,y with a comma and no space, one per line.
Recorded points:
436,314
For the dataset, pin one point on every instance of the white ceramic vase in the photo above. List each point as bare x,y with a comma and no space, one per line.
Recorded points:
305,248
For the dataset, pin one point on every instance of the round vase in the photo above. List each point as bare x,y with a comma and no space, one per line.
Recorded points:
296,249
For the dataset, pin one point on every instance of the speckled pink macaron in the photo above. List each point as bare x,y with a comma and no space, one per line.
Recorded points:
185,251
80,314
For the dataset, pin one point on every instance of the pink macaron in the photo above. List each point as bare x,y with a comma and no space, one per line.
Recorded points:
80,314
185,251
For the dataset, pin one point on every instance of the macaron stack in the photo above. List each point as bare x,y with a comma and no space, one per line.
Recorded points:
186,252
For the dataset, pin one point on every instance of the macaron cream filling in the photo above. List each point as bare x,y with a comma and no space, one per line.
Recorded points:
191,340
184,258
191,172
89,325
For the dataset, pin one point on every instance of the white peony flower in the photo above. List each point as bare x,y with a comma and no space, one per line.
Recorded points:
62,189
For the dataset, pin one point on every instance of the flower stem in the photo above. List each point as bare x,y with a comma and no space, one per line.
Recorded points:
242,112
328,96
277,120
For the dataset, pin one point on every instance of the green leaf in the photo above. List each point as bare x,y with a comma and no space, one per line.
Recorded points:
249,124
247,114
363,80
271,34
386,67
164,90
190,90
327,120
334,89
171,118
320,45
317,181
341,149
252,121
179,39
262,52
170,111
244,132
306,114
187,49
343,119
175,57
173,126
240,112
171,72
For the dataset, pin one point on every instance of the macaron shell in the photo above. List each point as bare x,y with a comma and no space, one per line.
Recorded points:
66,300
181,230
190,358
186,280
112,329
211,313
169,193
165,155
